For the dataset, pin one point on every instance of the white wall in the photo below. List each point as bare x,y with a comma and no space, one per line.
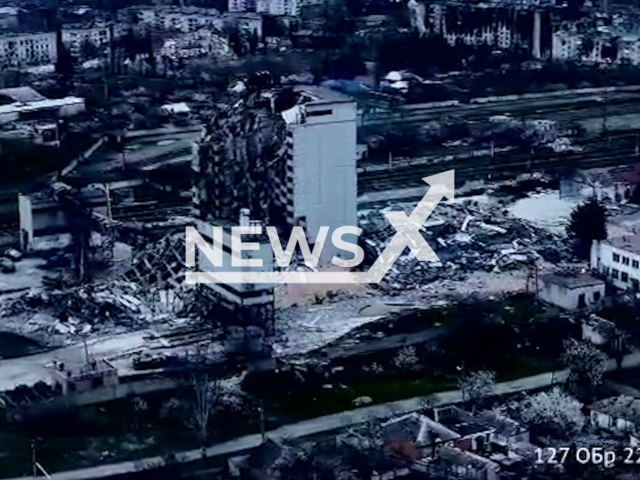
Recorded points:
569,297
324,171
265,253
602,260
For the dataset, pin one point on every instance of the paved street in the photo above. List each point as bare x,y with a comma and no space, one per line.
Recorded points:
31,369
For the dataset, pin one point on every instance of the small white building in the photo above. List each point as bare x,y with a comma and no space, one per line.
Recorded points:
618,259
572,291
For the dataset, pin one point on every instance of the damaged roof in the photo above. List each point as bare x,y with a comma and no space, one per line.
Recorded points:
624,407
418,429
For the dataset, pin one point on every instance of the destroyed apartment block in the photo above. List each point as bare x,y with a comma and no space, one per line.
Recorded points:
466,238
241,305
262,153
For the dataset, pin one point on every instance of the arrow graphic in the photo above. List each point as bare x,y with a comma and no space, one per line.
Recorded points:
408,228
407,235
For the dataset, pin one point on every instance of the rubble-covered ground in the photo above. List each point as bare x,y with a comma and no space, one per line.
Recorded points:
67,316
484,247
468,236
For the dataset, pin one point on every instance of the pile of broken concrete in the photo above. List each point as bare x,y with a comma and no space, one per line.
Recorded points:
467,238
77,311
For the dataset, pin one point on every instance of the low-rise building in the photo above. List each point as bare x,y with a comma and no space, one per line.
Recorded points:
616,414
96,373
27,103
618,259
247,303
572,291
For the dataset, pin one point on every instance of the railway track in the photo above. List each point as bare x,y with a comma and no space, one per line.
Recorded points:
556,109
597,154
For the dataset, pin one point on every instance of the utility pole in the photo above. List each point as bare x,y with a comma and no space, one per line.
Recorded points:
263,432
605,114
33,458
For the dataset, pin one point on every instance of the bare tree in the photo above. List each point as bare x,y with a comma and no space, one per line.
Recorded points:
206,395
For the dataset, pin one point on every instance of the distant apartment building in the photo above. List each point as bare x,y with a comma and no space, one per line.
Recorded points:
289,8
28,49
590,43
566,46
75,35
319,187
201,43
618,259
503,26
242,5
186,20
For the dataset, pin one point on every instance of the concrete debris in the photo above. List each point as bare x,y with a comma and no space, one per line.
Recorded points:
77,311
467,237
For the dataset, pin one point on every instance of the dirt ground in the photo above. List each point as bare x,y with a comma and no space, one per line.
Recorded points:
27,275
310,294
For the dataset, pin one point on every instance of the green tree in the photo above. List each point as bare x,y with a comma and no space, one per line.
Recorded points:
588,223
554,410
477,386
586,364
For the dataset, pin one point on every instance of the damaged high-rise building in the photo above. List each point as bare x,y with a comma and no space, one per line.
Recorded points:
288,156
236,161
505,25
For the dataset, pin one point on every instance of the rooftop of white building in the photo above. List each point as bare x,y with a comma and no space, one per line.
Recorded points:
629,244
571,281
319,96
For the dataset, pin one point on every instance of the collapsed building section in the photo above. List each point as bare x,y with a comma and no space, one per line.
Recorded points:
287,156
241,305
236,160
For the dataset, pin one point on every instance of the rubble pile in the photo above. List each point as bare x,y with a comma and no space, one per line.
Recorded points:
81,310
466,237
